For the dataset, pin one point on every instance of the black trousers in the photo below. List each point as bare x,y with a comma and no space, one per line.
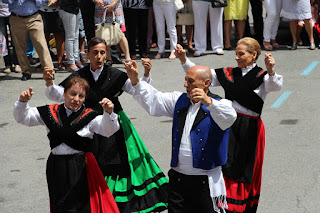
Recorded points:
87,8
256,9
189,193
136,19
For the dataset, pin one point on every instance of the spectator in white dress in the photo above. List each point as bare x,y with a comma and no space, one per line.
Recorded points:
298,10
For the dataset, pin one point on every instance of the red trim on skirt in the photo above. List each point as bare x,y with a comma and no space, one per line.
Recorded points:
244,196
101,198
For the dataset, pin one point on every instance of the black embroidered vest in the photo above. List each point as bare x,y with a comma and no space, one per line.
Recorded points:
64,129
241,88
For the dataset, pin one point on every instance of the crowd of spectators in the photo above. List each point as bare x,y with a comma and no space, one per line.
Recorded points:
145,24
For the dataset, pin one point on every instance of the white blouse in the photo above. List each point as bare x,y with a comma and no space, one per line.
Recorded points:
106,125
270,84
55,93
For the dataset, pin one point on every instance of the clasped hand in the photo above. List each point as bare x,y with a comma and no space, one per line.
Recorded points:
270,62
198,94
107,105
132,71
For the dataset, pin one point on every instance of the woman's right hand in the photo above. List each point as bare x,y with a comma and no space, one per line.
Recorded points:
25,96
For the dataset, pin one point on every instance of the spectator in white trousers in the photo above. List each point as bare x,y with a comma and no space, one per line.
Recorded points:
271,24
165,13
200,11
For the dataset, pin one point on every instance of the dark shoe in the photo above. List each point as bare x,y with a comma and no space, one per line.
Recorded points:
25,76
228,48
32,60
144,55
83,57
191,50
62,66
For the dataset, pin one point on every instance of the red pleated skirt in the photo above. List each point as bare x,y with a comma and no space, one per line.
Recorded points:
244,197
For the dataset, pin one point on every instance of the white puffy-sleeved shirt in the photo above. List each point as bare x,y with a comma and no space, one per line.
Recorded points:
270,84
162,104
106,125
55,93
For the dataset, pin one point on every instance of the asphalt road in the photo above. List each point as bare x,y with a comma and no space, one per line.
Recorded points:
291,170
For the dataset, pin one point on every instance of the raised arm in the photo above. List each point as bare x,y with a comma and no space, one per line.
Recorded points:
52,91
23,113
106,124
154,102
182,55
147,64
272,81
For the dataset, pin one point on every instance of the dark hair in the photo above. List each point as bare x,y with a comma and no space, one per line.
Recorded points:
94,41
77,80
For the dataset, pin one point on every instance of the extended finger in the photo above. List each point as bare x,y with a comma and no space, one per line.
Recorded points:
31,91
134,64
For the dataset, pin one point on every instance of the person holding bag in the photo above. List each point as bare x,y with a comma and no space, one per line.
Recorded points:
113,8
